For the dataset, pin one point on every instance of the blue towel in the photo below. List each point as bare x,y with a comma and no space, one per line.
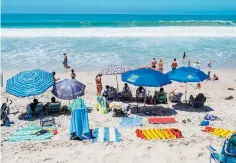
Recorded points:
106,134
79,123
204,123
131,121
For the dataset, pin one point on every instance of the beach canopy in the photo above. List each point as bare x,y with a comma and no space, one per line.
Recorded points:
115,70
68,89
187,74
147,77
29,83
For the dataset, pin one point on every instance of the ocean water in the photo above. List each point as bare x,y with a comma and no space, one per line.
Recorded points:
92,42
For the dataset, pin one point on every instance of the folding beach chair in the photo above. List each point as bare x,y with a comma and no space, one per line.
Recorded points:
228,152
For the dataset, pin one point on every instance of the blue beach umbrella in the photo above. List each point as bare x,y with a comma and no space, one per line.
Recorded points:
68,89
147,77
29,83
186,75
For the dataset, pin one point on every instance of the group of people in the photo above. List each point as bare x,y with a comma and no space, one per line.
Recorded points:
174,64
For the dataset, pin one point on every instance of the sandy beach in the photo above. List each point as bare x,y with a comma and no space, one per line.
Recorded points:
190,149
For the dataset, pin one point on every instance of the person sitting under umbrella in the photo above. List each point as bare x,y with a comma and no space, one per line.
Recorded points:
126,93
31,108
140,93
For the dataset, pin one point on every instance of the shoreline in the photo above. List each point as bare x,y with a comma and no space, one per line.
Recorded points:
168,31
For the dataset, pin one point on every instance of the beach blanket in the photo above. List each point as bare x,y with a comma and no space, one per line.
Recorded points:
161,120
79,123
157,133
131,121
218,131
106,134
26,133
102,105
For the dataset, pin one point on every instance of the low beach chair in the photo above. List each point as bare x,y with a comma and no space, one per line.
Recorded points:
54,107
228,152
160,98
37,111
198,101
175,97
102,105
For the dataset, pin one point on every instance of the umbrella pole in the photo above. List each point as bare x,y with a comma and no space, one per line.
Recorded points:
186,94
117,83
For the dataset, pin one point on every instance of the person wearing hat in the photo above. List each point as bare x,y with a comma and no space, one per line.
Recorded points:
99,84
160,66
154,62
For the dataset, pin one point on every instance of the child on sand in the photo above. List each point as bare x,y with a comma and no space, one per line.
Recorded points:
73,74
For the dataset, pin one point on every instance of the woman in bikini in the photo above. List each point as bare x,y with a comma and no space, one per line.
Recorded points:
160,66
99,84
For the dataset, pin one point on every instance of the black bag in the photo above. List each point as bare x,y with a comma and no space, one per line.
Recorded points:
47,121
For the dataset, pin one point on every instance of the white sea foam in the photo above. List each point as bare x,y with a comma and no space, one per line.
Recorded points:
122,32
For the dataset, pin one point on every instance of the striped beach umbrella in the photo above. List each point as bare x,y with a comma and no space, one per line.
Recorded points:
115,70
29,83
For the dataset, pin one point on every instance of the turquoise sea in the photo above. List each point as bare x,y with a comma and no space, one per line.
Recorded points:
92,42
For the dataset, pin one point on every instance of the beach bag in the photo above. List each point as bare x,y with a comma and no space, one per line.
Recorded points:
47,121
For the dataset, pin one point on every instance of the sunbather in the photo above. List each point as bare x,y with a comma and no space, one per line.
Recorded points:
126,93
140,93
160,97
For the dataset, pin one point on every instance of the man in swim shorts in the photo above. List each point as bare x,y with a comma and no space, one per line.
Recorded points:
99,84
174,64
154,62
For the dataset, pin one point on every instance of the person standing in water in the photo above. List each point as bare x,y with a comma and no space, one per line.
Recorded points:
99,84
160,65
73,74
65,62
184,56
174,64
154,62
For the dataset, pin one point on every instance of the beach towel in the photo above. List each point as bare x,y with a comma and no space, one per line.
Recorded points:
27,133
210,117
106,134
204,123
102,105
131,121
156,120
79,123
220,132
77,103
157,133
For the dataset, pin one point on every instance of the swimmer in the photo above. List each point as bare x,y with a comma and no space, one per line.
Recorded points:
184,56
209,64
154,62
189,63
65,62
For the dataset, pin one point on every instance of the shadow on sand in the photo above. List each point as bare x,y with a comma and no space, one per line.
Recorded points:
152,111
182,107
